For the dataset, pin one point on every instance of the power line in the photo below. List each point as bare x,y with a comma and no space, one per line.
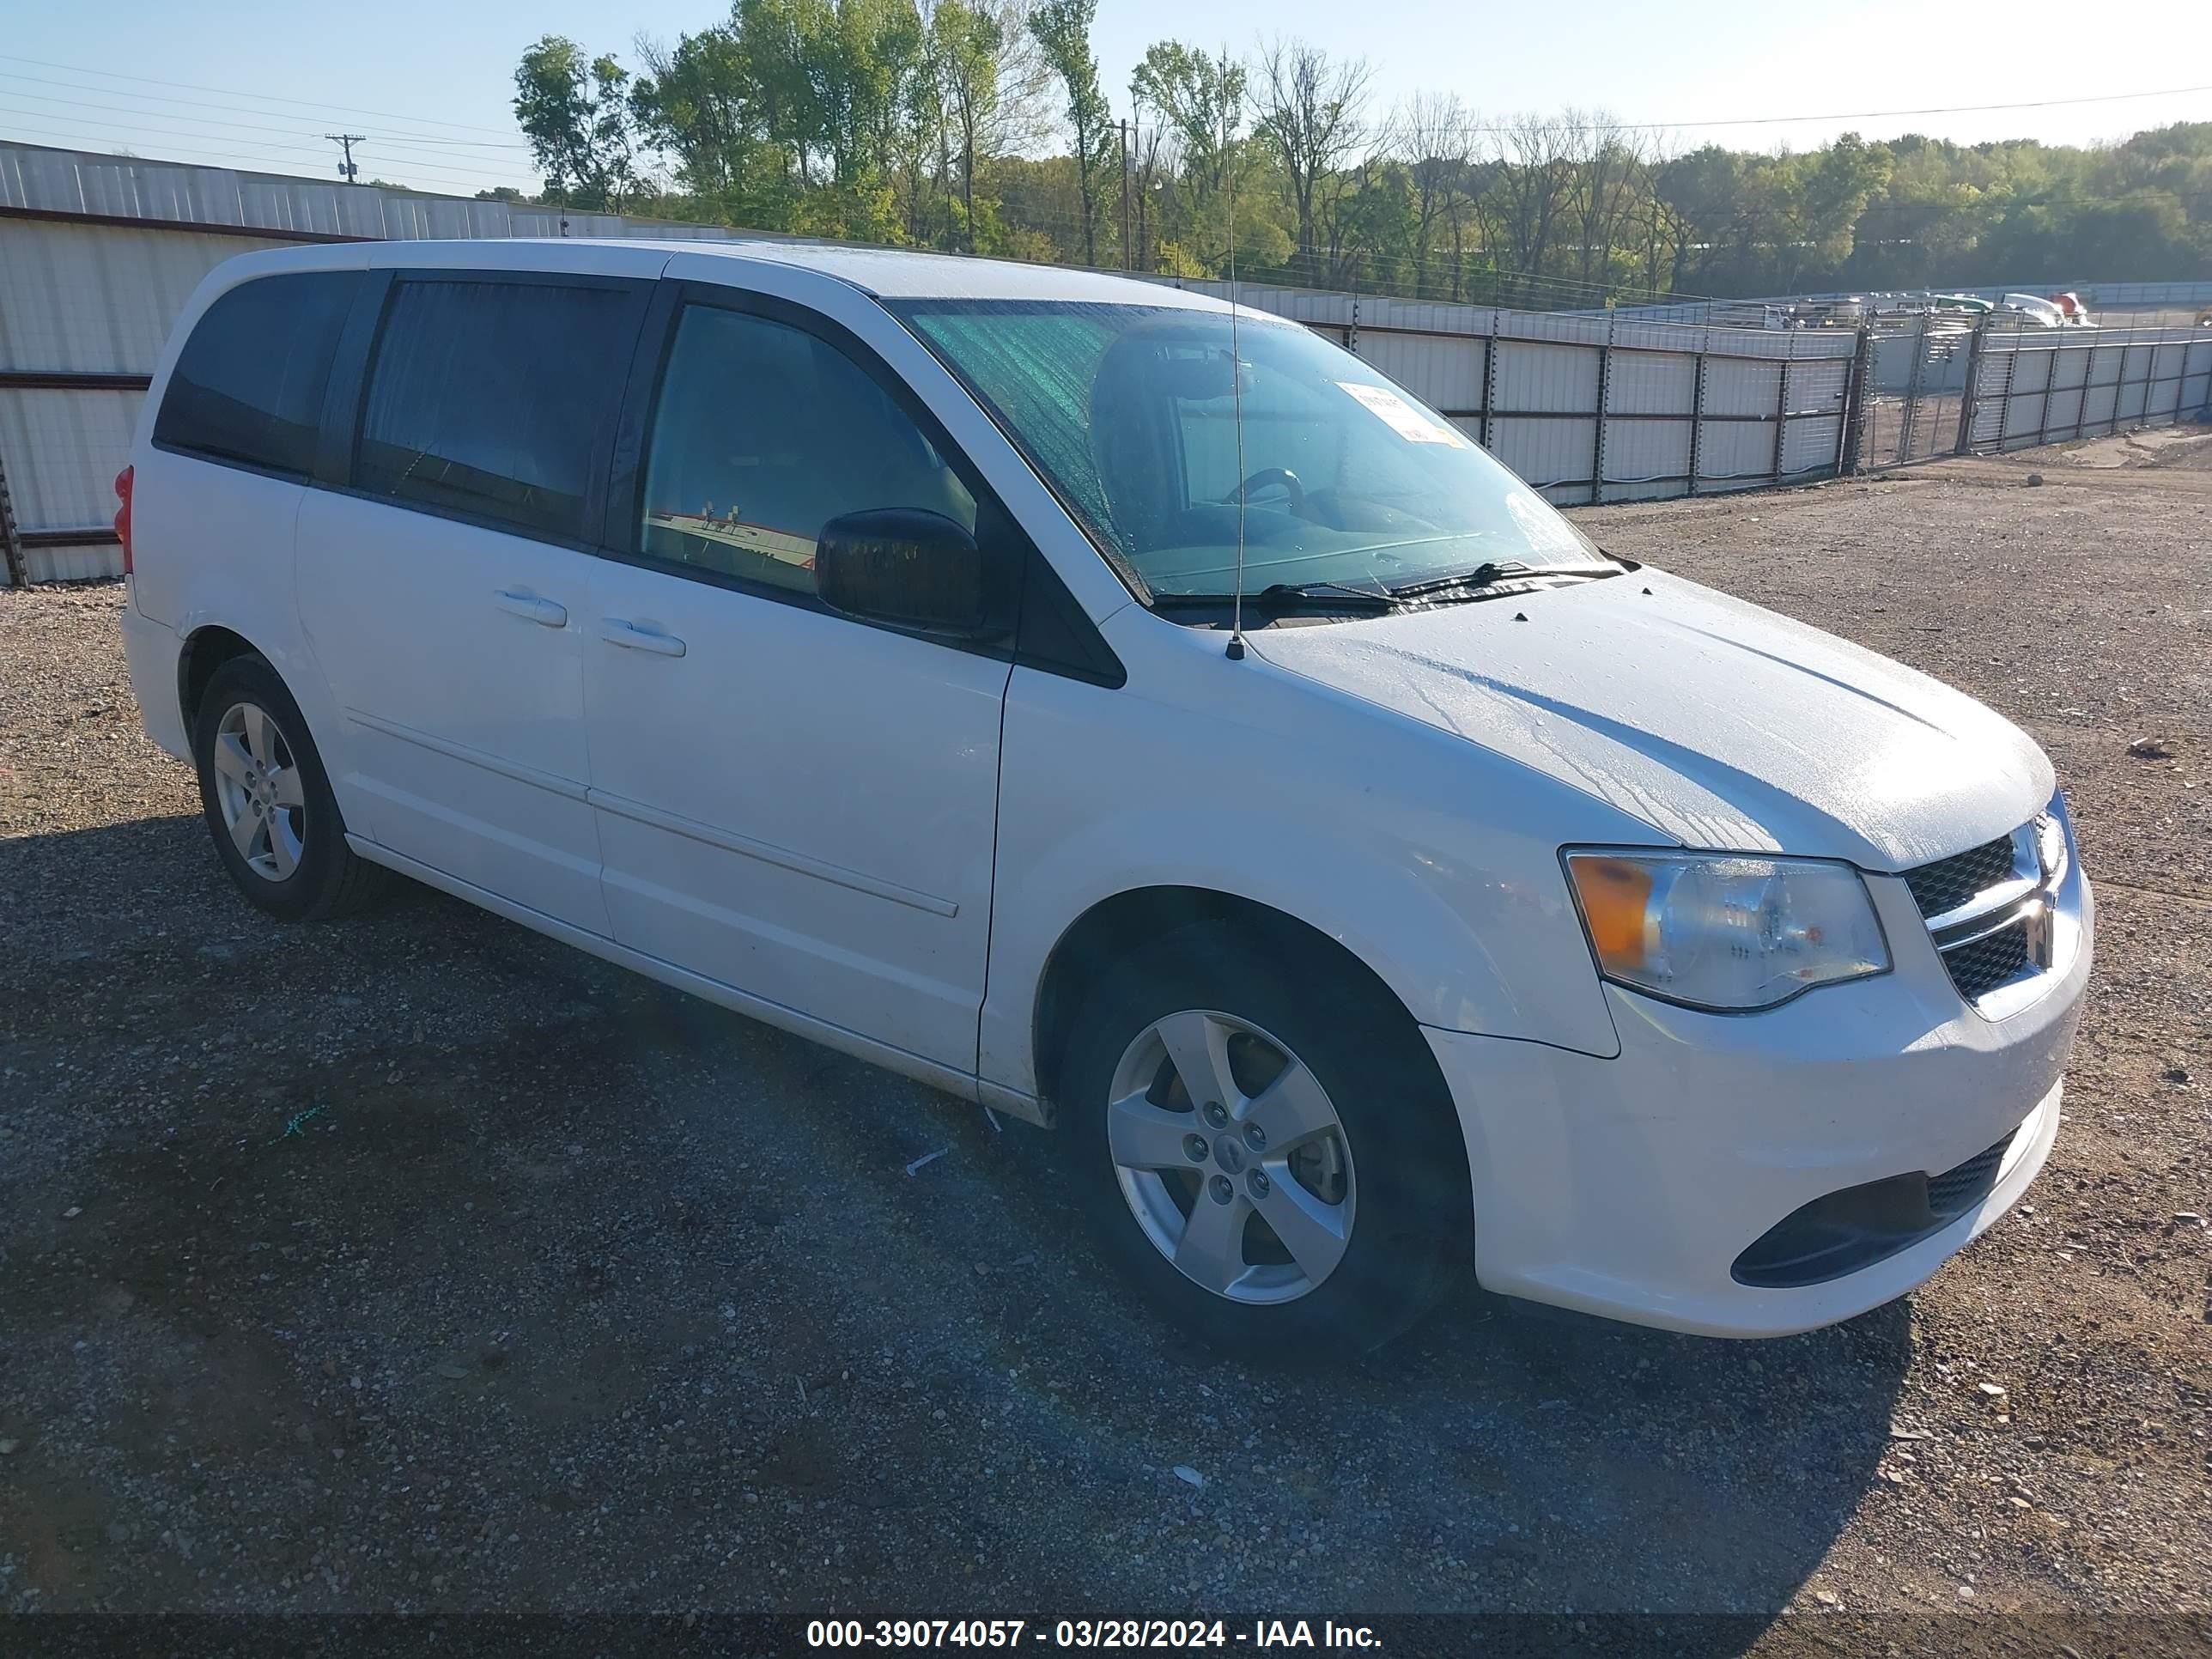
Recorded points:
231,109
300,142
233,92
231,149
1850,115
140,117
1486,127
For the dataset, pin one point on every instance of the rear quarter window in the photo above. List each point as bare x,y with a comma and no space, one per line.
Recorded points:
248,385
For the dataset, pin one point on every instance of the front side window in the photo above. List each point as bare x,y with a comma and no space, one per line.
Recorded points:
762,433
1136,414
248,385
496,400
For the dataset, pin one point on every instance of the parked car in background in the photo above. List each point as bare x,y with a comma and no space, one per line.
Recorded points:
1139,716
2032,312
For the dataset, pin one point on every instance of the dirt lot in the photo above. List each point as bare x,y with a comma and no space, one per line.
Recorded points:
419,1262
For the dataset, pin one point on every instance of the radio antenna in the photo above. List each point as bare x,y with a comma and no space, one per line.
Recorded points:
1235,651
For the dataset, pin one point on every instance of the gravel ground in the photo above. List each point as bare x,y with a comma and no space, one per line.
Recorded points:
419,1262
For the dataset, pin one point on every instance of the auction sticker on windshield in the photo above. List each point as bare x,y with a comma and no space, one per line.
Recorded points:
1402,418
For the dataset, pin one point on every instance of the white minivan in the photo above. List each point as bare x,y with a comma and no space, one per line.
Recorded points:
852,638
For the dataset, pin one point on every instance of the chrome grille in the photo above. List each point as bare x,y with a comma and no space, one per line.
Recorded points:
1990,908
1949,883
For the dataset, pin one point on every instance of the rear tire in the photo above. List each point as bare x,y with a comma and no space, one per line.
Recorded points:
1310,1194
267,799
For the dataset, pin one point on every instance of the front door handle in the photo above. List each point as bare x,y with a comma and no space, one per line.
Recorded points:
628,635
544,612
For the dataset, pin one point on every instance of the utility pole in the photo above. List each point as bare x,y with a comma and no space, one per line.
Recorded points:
1125,196
346,141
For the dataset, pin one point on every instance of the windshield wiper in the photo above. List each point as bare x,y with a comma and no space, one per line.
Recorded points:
1278,596
1278,593
1493,572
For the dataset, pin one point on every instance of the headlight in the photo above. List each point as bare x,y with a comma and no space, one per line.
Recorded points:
1726,932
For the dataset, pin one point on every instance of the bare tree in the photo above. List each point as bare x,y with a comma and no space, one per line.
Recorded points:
1152,160
1313,113
1435,140
1657,234
1530,190
1606,162
1023,120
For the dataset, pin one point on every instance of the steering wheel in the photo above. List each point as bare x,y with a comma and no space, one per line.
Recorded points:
1269,478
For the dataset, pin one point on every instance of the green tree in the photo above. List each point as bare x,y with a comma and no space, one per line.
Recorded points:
576,117
699,104
967,47
1202,100
1062,30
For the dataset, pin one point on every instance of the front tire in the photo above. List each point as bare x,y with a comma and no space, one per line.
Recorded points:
267,799
1265,1149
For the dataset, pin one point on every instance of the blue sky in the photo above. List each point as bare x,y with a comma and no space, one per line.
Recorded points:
431,81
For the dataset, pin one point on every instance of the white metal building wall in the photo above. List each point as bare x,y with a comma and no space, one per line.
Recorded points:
84,311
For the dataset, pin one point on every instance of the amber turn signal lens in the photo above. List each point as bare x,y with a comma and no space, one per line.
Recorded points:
1615,896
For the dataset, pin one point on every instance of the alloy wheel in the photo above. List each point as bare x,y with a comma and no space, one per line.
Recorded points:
261,791
1231,1156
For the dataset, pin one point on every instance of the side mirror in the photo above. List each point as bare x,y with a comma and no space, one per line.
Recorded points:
908,566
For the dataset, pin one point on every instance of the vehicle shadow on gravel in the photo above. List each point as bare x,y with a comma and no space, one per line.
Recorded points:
417,1260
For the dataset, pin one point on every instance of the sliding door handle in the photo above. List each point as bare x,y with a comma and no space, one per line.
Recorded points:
544,612
629,636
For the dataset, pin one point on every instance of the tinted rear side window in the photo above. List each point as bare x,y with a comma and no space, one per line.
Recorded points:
496,400
248,385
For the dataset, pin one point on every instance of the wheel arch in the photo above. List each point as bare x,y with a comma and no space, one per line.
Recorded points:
1090,944
205,650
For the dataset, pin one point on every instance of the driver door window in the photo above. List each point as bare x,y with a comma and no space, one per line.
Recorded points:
762,435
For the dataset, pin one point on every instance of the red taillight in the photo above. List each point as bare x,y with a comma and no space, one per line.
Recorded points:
123,514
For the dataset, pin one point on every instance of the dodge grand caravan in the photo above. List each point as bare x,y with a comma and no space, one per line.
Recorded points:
853,639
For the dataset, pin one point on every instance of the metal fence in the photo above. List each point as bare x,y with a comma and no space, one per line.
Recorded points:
2033,390
1602,409
1939,387
1772,310
98,253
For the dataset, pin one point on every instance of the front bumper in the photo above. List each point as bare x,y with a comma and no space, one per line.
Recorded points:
1626,1187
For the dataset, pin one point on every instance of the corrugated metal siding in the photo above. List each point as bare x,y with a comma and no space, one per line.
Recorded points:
38,179
1742,386
1736,452
1554,456
1809,447
72,564
1652,383
1647,454
1548,378
63,448
99,298
2048,387
1443,371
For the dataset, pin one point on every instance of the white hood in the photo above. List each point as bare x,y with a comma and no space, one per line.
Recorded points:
1716,723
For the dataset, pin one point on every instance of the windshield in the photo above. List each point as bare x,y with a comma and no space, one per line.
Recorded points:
1130,412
